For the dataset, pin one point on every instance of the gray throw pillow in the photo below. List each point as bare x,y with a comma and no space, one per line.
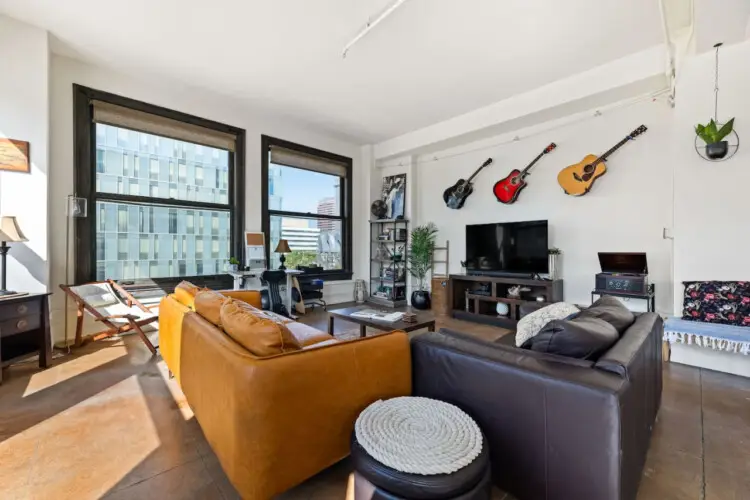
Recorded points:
580,337
532,323
612,311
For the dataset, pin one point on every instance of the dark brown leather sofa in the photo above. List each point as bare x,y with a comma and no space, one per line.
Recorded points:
558,428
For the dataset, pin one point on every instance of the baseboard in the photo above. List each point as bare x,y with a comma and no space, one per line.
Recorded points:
701,357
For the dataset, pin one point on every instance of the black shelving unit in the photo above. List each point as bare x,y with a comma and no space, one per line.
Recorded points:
388,261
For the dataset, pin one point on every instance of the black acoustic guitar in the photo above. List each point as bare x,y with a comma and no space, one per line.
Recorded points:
455,196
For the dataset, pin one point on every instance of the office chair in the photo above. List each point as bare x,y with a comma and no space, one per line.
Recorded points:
272,279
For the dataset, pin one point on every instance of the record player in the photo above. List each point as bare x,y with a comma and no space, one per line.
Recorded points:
623,273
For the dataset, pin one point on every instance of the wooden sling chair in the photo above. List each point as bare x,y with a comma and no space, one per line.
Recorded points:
101,300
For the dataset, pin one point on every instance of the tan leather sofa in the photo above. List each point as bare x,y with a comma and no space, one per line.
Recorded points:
274,422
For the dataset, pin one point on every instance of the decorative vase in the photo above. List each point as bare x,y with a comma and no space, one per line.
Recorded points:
502,309
233,268
717,150
420,299
359,291
553,266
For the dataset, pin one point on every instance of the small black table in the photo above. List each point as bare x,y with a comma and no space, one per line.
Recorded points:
649,296
25,329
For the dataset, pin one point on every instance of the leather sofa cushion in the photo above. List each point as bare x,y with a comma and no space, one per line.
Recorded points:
307,335
260,336
580,337
185,293
612,311
208,304
276,318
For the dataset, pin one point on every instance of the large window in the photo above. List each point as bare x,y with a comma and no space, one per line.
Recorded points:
307,201
164,191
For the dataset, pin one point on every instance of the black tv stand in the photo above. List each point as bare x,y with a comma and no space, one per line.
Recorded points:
471,306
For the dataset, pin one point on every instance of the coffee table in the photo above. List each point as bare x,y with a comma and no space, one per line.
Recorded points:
425,319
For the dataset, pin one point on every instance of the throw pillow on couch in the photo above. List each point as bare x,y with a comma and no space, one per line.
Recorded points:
531,324
612,311
581,337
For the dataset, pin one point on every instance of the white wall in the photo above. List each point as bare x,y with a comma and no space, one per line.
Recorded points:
712,234
24,108
65,72
626,210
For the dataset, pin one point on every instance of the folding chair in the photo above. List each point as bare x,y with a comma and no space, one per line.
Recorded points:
101,300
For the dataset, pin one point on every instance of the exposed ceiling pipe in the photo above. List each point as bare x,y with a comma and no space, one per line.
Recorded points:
671,68
370,25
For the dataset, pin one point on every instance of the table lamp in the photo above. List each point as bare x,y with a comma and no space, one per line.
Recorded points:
10,232
282,248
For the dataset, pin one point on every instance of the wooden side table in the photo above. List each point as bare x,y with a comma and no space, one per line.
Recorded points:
25,329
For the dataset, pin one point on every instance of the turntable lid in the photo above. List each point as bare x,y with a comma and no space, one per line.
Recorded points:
623,262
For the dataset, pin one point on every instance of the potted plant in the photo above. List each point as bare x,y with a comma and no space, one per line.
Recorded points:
420,262
234,264
716,147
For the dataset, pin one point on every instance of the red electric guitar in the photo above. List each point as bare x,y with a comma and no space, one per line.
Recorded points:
507,190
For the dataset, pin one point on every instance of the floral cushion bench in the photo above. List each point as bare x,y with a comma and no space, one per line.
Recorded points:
716,314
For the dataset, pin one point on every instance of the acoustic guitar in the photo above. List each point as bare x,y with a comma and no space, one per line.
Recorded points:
455,196
507,190
577,180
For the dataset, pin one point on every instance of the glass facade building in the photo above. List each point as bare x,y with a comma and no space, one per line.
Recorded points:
153,240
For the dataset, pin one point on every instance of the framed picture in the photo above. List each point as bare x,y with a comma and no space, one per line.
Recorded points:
14,155
394,195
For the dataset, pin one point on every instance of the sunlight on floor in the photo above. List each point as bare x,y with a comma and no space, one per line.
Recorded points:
66,369
72,451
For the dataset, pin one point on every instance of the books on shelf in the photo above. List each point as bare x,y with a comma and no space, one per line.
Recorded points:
376,315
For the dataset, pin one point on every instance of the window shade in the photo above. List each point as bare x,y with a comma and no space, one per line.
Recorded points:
290,158
119,116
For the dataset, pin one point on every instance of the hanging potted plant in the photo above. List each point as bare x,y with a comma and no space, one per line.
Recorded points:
420,262
716,147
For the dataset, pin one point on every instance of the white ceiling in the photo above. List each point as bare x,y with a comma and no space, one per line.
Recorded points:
429,61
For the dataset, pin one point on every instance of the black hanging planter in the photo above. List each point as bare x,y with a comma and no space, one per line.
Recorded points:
709,139
420,299
717,150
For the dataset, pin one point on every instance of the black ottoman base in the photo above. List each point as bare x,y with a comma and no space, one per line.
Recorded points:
375,481
365,490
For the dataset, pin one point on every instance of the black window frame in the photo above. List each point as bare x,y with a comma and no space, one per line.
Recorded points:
346,272
85,166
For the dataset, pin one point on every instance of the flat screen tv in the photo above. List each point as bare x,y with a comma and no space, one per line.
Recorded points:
507,248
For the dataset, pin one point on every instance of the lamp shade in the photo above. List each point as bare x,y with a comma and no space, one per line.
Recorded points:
283,247
10,231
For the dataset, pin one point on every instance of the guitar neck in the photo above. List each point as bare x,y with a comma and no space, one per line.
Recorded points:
489,160
525,171
612,150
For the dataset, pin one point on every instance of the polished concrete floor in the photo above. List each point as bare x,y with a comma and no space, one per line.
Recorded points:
106,422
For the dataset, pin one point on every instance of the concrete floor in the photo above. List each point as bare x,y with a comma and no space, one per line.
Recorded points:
106,421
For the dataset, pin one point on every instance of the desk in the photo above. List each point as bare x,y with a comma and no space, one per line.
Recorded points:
250,280
25,330
649,296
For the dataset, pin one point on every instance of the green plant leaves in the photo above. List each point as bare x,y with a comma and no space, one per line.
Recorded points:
725,130
421,250
711,134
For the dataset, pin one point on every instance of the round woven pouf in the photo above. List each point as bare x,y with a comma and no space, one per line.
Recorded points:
412,447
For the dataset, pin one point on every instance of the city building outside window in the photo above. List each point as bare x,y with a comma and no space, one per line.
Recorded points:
164,205
307,201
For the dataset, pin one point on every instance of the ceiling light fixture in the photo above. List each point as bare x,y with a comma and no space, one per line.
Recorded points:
370,25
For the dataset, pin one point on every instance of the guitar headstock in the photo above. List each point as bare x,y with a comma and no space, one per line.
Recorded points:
635,133
549,148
